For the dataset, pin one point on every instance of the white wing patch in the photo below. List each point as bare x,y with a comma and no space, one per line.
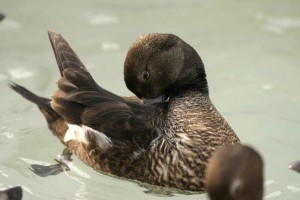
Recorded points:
79,133
101,139
75,132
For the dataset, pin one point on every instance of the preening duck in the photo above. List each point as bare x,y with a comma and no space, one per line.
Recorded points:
163,136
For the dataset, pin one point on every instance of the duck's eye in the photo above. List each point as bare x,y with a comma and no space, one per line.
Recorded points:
146,75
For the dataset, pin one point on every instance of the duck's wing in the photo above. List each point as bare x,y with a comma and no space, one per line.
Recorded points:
82,102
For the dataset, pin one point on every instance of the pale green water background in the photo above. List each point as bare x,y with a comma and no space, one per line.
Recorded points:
251,50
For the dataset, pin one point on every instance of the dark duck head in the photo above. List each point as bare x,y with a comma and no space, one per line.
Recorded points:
159,66
295,166
14,193
2,16
235,173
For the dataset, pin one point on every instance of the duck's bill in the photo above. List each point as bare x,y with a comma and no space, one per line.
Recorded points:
152,101
295,166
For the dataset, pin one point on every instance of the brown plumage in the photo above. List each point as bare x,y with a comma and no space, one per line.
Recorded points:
235,172
14,193
166,142
295,166
2,16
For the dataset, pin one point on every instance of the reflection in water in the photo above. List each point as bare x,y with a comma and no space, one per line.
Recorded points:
293,188
273,194
44,169
20,73
82,192
99,19
110,46
30,161
9,135
10,25
27,190
268,182
78,171
159,191
3,173
278,24
60,166
8,132
267,87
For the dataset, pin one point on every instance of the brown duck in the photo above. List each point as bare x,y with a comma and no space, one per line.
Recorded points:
14,193
235,172
295,166
165,140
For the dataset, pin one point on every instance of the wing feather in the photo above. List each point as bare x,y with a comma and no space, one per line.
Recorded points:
81,101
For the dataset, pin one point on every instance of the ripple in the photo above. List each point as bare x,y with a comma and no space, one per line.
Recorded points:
109,46
78,171
273,194
9,135
3,173
267,87
10,25
278,24
293,188
20,73
100,19
268,182
27,189
30,161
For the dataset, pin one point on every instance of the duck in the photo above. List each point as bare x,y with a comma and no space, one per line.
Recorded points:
2,16
235,172
163,135
295,166
14,193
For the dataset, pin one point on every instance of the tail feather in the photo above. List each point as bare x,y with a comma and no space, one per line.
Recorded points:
56,122
42,103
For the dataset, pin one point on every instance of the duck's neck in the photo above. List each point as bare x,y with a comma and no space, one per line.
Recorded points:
190,93
198,85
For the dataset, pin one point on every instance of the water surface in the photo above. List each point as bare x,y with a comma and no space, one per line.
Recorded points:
250,48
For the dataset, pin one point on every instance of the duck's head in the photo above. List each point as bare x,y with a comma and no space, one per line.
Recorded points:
295,166
2,16
235,173
14,193
163,65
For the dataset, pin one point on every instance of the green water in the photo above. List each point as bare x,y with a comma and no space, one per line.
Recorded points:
251,50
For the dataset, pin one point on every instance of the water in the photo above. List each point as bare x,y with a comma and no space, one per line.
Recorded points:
250,48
